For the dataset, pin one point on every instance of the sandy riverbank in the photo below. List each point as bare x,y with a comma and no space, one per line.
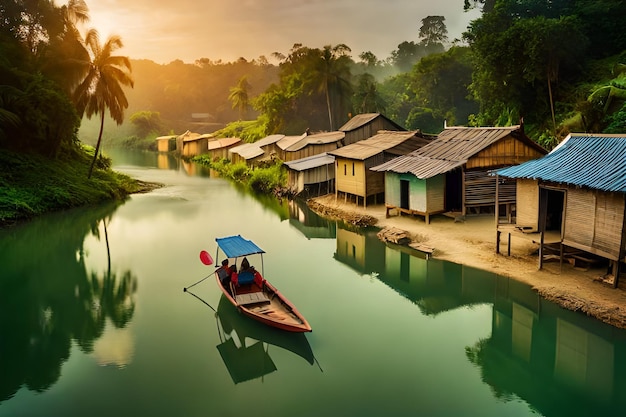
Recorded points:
472,242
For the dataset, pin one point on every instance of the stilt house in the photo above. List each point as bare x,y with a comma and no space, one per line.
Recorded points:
452,172
353,162
313,175
578,192
218,148
310,144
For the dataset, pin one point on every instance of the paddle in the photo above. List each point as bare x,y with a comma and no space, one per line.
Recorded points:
189,292
206,259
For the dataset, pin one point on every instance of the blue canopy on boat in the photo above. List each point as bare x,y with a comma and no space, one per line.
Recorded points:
237,246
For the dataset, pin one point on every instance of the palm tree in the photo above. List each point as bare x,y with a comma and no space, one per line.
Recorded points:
67,59
604,95
332,74
239,97
101,89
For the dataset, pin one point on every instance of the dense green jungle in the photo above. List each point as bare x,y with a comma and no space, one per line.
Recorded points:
558,65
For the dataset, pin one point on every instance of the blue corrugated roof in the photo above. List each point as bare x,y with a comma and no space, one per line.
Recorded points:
236,246
586,160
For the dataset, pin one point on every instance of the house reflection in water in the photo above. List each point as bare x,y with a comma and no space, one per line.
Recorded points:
434,285
311,225
560,361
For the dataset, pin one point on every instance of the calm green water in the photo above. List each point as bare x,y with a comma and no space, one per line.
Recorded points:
94,320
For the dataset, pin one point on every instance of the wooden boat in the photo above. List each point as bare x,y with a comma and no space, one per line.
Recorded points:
252,294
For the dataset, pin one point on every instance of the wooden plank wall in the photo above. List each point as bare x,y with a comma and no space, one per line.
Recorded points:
350,183
507,151
367,131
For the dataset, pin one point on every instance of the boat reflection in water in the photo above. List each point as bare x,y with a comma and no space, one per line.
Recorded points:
245,344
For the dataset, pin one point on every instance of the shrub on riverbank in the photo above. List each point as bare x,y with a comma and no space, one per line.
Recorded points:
264,179
31,185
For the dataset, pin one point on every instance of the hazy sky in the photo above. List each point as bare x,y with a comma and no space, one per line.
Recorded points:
165,30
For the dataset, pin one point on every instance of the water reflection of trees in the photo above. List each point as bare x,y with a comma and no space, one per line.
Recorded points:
48,299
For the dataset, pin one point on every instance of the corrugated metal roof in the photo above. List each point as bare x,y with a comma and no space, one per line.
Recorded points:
287,141
168,137
452,148
316,139
236,246
384,140
358,121
251,152
190,137
222,143
586,160
268,140
420,166
311,162
247,150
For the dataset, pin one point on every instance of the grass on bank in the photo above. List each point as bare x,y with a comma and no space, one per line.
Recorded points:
268,178
31,185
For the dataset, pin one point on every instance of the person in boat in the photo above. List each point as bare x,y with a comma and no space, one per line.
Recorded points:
245,265
225,272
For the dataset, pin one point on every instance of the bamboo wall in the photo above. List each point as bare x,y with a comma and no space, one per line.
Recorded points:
480,189
594,222
527,207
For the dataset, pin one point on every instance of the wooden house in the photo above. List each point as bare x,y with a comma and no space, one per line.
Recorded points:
166,143
218,148
353,162
249,153
269,145
311,144
452,172
255,152
191,144
576,192
366,125
285,143
313,175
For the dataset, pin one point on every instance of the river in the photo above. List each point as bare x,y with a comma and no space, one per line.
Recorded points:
94,320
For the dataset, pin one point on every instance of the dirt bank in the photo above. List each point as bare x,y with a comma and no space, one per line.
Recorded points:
472,242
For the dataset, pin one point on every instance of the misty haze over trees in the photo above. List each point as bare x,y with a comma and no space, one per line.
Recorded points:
557,64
